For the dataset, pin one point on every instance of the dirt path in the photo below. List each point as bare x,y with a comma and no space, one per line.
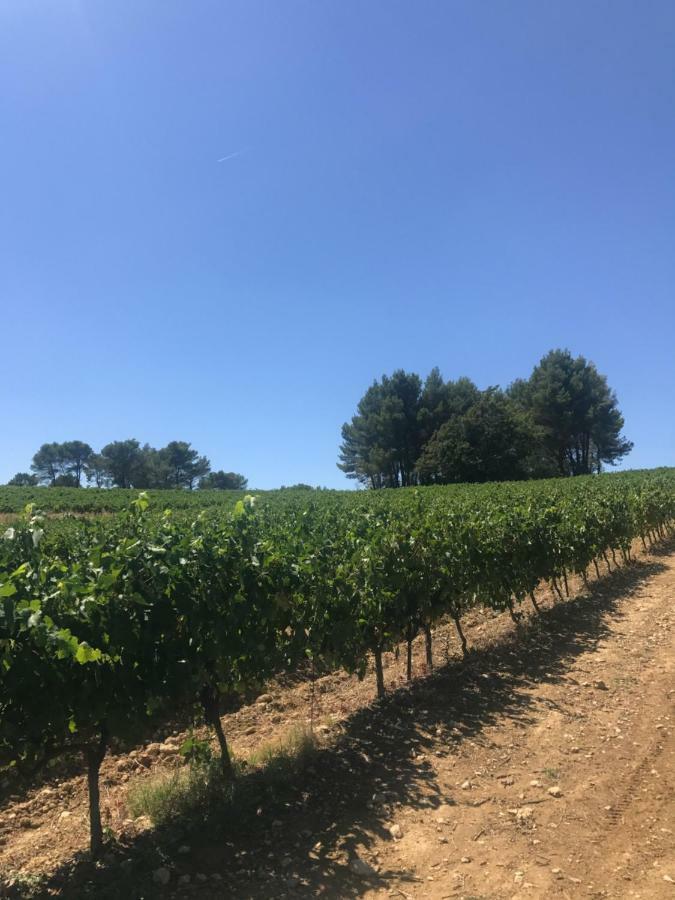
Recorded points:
600,728
542,766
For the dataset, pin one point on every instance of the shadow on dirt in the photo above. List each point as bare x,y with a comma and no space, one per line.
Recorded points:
296,838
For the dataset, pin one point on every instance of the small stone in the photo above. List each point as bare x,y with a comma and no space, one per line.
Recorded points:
184,879
264,698
201,877
360,867
465,859
466,785
442,839
183,849
669,879
600,685
535,783
555,791
161,875
519,877
395,831
444,814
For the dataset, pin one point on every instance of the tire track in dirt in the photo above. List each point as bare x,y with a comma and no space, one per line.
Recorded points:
617,813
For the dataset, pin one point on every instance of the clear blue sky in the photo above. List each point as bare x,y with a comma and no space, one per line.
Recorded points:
462,184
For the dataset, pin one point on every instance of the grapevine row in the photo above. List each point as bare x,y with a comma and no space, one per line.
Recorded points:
105,625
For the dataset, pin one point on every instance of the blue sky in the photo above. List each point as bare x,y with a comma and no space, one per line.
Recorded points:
424,183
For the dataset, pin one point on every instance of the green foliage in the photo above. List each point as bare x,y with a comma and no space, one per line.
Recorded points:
223,481
562,421
380,444
76,455
196,793
199,793
120,619
183,465
576,412
97,472
123,461
23,479
48,462
196,751
96,501
491,441
124,464
62,464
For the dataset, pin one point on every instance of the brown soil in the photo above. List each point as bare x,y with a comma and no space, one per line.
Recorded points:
460,763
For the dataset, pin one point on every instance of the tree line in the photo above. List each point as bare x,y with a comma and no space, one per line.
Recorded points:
126,464
562,420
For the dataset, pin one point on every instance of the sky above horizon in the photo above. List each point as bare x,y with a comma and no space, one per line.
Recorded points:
221,221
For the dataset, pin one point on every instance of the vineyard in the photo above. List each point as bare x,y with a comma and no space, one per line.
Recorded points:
120,619
96,501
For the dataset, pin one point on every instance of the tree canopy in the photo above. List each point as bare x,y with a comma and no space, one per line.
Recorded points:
491,441
224,481
125,464
23,479
394,419
61,463
576,412
563,420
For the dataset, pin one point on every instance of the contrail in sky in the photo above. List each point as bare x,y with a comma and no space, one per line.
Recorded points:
229,156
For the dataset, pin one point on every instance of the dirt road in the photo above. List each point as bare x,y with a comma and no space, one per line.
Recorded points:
569,792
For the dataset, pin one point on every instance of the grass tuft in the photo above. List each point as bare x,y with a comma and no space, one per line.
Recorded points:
199,792
285,757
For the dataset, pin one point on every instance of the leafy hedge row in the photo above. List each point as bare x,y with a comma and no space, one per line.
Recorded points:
92,501
105,624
